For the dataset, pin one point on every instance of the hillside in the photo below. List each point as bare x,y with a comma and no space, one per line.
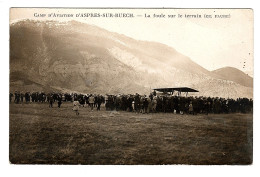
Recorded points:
233,74
74,56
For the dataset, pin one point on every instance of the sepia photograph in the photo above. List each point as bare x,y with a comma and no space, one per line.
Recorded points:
131,86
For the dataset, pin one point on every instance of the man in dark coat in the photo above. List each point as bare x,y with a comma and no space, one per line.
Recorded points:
98,101
17,97
50,101
27,97
137,102
145,105
10,97
59,101
21,95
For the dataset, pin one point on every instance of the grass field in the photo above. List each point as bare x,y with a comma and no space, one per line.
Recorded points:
43,135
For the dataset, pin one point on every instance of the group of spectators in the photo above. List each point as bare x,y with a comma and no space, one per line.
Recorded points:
177,104
142,103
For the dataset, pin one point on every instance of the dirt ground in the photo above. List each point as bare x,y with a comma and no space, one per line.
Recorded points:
42,135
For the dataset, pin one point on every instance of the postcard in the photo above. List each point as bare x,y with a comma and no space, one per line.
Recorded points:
131,86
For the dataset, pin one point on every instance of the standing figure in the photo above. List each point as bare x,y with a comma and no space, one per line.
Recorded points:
59,101
10,97
99,101
154,104
145,105
17,97
191,108
137,103
91,101
141,104
133,106
21,95
50,101
149,104
27,97
76,106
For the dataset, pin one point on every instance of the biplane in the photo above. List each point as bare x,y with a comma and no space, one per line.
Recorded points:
179,90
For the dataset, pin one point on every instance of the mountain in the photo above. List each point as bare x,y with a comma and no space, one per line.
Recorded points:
74,56
233,74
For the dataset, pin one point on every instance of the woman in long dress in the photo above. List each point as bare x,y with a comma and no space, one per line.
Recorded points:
76,106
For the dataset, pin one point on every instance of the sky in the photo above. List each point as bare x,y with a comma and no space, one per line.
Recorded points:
211,42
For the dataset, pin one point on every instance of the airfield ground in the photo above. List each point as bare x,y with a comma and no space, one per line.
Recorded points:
42,135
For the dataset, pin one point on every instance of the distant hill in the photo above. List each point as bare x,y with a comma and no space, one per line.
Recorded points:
233,74
74,56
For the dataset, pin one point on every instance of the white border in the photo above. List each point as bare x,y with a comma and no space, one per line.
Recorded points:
169,170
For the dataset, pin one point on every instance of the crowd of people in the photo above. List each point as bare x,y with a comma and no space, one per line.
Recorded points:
137,103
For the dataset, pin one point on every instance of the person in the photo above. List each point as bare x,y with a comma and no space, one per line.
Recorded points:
154,104
137,103
76,106
207,107
27,97
18,97
141,104
118,102
191,108
145,105
99,101
50,101
10,97
59,101
149,104
63,98
183,105
91,101
21,95
133,106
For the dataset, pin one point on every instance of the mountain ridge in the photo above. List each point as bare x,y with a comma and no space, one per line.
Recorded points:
234,74
51,54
